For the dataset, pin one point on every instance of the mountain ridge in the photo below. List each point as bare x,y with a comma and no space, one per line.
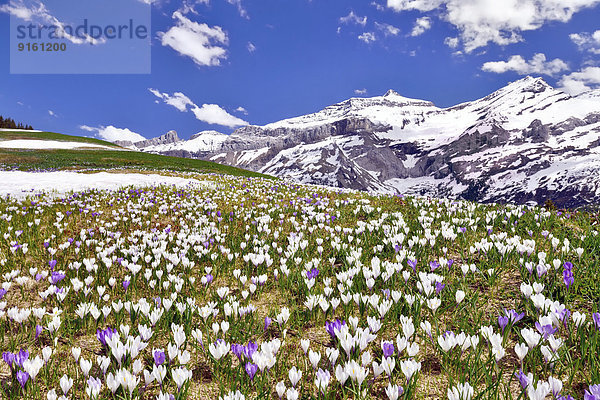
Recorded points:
525,142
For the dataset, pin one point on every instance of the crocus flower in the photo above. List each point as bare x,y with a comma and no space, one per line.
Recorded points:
596,319
413,264
237,349
126,284
523,379
251,369
22,377
502,322
388,348
38,331
56,277
104,334
8,358
593,393
249,349
545,330
438,287
513,316
159,357
267,322
568,274
20,357
333,326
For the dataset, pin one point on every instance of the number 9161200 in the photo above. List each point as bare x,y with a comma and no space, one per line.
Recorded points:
45,47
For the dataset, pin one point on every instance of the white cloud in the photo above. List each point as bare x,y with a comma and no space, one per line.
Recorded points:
188,6
202,43
352,18
537,65
421,5
209,113
360,92
178,100
242,110
421,25
581,81
251,47
241,9
19,10
480,22
387,29
214,114
36,11
378,6
52,114
367,37
451,42
587,41
113,134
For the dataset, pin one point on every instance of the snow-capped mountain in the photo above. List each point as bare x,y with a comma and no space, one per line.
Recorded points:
526,142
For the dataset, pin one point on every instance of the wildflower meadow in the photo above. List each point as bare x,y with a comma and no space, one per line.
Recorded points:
254,288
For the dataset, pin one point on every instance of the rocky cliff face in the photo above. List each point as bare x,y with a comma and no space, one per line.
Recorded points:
525,143
167,138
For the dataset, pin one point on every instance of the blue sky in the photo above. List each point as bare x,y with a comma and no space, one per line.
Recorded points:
219,64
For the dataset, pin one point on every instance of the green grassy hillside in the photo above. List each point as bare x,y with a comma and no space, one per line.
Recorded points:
25,159
14,135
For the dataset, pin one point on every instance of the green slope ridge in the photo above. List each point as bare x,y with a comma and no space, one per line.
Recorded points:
29,159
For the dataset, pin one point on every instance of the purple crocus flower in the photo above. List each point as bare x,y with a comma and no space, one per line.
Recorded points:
249,349
596,319
568,274
126,284
545,330
388,348
56,277
523,379
267,322
333,326
434,265
2,293
159,357
413,264
502,322
52,264
20,357
237,349
38,331
8,358
513,316
593,393
251,369
438,287
313,273
107,333
22,377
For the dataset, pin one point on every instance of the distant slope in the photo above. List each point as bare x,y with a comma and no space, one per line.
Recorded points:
41,159
36,135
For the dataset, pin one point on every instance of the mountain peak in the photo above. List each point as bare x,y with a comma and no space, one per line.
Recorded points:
206,134
530,83
391,92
